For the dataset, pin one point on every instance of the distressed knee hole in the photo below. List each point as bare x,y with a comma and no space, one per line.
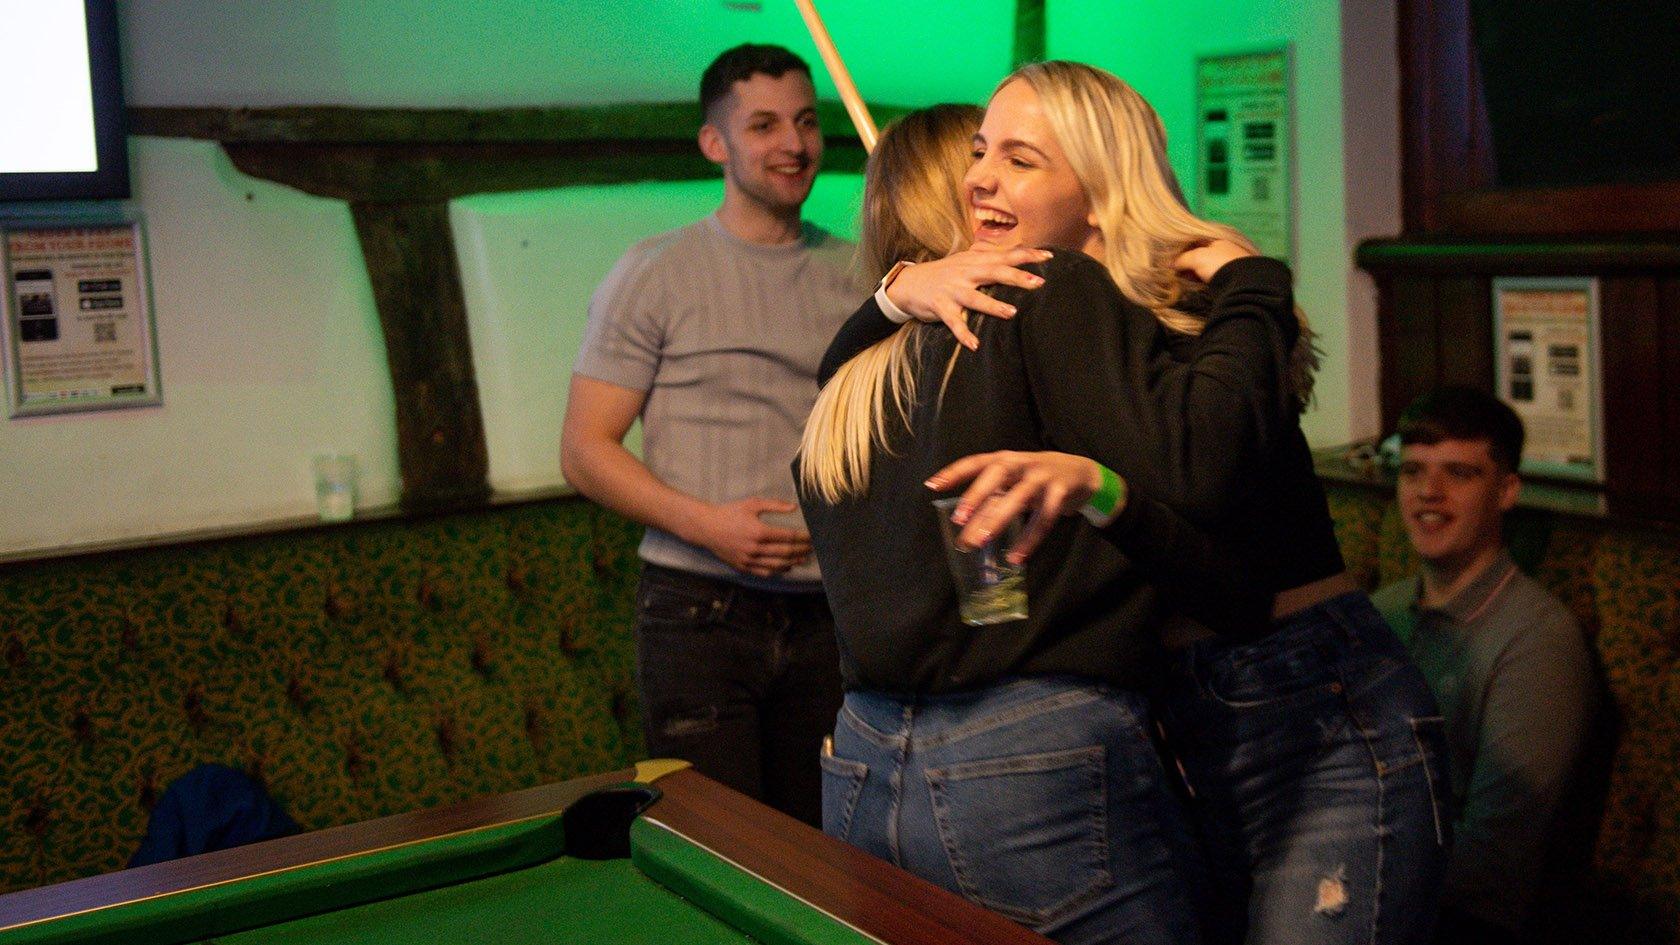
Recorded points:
1332,893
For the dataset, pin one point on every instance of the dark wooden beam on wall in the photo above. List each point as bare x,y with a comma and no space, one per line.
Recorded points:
412,155
398,169
410,252
1029,32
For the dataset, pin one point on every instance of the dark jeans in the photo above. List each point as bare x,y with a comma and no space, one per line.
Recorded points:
1318,760
1043,799
743,683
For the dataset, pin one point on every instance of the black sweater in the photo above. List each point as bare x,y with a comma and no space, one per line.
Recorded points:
1202,443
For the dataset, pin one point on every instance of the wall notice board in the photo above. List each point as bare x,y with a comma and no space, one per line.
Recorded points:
78,318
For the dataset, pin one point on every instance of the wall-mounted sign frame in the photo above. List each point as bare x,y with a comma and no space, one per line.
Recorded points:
1245,144
1547,367
78,317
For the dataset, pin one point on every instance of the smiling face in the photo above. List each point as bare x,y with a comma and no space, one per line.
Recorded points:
1453,497
1021,189
765,136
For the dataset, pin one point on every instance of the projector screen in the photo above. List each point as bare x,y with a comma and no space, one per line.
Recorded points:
61,129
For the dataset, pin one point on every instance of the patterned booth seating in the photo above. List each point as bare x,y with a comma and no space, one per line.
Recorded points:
1616,872
373,668
357,671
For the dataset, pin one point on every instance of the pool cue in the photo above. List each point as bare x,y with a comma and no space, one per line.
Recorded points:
855,107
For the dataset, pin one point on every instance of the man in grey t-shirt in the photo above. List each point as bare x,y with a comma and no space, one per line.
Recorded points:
1506,659
712,335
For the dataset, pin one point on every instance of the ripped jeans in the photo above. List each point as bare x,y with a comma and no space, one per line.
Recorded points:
1040,798
1317,759
741,682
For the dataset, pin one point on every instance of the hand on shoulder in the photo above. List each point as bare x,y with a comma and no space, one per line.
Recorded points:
1203,262
944,290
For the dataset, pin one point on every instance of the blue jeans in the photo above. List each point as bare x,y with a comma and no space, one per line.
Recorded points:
741,682
1317,759
1043,799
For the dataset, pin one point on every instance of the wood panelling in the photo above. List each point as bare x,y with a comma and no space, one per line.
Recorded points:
1409,363
1634,414
1556,211
1464,327
410,255
1435,326
1449,174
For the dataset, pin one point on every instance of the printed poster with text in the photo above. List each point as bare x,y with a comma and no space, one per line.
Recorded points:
78,326
1547,370
1244,146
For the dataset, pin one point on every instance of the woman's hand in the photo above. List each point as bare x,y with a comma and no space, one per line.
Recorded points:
945,289
1006,484
1203,261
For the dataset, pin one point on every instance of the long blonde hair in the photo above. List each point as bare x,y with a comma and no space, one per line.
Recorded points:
912,210
1116,146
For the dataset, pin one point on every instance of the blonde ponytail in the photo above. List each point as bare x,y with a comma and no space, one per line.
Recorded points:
912,210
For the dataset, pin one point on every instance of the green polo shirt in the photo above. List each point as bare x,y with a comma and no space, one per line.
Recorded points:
1515,681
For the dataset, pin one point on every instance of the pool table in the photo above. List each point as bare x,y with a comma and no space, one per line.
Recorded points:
658,853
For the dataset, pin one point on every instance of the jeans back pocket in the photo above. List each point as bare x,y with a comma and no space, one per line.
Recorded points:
842,782
1026,835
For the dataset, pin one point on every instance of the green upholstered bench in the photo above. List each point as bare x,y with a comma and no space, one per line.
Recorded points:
374,668
358,670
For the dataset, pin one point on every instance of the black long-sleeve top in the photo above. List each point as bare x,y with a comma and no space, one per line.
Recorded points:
1084,371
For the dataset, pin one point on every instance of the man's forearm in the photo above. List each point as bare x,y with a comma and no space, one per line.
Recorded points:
613,476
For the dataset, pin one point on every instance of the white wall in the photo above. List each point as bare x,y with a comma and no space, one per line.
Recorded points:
268,339
486,53
1346,137
270,350
269,343
1371,177
528,277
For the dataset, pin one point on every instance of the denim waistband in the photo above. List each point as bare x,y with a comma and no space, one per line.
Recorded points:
1343,624
947,717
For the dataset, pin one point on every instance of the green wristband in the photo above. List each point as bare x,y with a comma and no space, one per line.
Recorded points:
1107,501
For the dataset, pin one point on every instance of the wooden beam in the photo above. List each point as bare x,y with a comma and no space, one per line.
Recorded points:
410,257
398,168
442,172
638,123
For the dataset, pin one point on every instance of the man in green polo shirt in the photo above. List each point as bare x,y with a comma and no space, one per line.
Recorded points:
1505,658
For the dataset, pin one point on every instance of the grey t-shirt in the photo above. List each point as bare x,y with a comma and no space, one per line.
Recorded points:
725,337
1512,673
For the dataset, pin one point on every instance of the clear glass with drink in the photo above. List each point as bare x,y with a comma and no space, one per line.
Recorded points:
989,588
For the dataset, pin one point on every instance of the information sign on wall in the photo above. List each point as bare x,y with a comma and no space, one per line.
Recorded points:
1546,366
1245,146
78,322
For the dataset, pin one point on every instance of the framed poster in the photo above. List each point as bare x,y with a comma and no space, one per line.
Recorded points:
78,317
1245,145
1546,366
